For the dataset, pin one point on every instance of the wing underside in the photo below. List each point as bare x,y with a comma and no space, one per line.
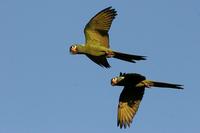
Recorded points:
100,60
129,102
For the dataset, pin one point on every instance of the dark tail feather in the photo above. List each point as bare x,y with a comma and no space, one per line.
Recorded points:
167,85
128,57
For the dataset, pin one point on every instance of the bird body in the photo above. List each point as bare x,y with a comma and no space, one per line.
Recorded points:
96,45
132,94
94,50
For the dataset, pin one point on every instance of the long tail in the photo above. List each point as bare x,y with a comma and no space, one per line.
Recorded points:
166,85
150,83
128,57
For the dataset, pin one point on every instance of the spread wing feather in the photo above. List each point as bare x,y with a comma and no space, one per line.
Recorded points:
96,31
129,102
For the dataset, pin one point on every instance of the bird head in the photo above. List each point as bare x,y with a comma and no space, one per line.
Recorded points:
127,79
117,81
73,49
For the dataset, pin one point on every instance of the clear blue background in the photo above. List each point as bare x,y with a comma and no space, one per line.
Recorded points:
44,89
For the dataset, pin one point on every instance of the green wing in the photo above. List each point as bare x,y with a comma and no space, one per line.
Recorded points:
129,102
96,31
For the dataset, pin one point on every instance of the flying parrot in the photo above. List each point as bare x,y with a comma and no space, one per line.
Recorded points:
96,45
131,96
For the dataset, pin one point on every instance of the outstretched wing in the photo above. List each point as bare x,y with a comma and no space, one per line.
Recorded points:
96,31
129,102
100,60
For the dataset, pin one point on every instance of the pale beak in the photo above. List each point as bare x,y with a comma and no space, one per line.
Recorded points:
113,81
73,50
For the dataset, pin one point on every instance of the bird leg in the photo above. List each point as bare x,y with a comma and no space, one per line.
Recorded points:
146,84
109,54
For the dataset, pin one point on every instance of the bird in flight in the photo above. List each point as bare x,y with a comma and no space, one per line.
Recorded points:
131,96
96,45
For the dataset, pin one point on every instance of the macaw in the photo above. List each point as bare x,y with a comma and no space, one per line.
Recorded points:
131,96
96,45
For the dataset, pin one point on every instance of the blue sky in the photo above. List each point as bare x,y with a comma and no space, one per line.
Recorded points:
44,89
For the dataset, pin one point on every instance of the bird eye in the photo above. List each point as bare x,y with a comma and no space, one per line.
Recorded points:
74,46
73,49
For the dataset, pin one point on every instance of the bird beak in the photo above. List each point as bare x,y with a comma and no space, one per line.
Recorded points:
73,50
113,81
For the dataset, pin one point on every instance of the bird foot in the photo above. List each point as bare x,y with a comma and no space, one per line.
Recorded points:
146,84
109,54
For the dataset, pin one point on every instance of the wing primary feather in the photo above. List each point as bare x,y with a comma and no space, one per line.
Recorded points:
99,60
96,30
